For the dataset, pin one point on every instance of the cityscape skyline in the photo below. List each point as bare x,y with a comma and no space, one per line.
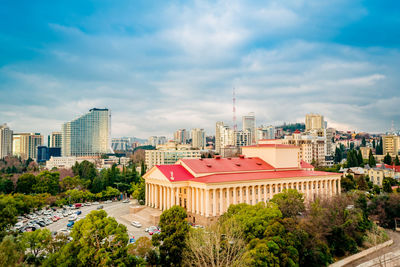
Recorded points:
178,71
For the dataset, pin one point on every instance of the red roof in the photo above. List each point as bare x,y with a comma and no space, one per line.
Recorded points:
273,145
297,131
396,168
235,177
305,165
226,165
177,171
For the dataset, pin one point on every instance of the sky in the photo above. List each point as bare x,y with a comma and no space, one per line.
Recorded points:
164,65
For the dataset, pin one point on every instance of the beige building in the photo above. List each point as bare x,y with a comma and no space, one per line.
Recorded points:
391,144
6,138
54,139
169,153
207,187
365,152
314,121
198,138
224,137
249,124
25,145
243,138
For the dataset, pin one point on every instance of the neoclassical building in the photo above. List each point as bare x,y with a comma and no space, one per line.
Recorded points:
206,187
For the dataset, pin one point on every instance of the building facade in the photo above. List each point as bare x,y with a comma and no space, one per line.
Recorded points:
88,135
249,124
6,139
25,145
391,145
157,140
314,121
181,136
243,138
265,132
54,140
198,138
207,187
44,153
224,137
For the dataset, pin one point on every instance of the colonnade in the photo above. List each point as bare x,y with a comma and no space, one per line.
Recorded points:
214,200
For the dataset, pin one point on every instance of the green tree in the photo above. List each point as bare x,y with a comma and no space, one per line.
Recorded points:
11,252
338,155
348,183
174,229
397,161
363,142
8,213
35,244
371,159
25,183
6,185
359,158
290,202
69,183
86,170
361,183
47,182
387,186
387,159
98,240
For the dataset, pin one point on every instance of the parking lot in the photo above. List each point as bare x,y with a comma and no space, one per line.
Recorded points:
114,209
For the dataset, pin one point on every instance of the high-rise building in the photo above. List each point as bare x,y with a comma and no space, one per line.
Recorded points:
315,122
54,139
224,136
198,138
44,153
120,144
249,124
88,135
157,140
25,145
181,136
391,144
265,132
6,137
243,138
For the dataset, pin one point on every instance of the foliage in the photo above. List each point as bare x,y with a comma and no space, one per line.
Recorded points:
371,159
25,183
387,159
290,202
47,182
98,240
11,252
385,208
347,183
397,161
34,243
387,186
174,230
141,247
69,183
138,191
6,185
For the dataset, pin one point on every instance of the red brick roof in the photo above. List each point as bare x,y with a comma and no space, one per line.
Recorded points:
226,165
236,177
178,172
305,165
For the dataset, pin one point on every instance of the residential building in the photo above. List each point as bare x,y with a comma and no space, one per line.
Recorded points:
314,121
6,139
88,135
265,132
198,138
54,139
169,153
181,136
329,136
157,140
365,152
243,138
25,145
120,144
391,145
68,162
206,188
249,124
224,137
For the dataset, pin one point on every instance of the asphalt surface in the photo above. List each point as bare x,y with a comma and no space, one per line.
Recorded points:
114,209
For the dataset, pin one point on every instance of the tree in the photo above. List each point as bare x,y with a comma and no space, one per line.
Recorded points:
8,213
97,240
347,183
361,183
387,186
371,159
138,190
363,142
359,158
47,182
174,230
373,143
25,183
141,247
71,183
6,185
338,155
11,252
35,244
216,245
290,202
397,161
387,159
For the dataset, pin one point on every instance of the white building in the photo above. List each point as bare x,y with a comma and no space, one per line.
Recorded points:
249,124
6,139
157,140
224,137
265,132
198,138
25,145
314,121
243,138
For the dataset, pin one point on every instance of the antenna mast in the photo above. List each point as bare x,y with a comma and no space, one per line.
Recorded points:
234,110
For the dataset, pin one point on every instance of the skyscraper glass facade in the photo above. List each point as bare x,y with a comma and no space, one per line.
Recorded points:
88,135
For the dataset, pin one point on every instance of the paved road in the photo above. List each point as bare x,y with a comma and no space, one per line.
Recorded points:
395,247
114,209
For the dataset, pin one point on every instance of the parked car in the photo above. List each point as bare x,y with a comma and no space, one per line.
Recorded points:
70,224
136,224
153,230
78,212
73,217
78,205
96,203
100,207
126,201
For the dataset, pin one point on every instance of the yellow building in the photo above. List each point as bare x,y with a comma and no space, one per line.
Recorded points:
25,145
391,144
206,187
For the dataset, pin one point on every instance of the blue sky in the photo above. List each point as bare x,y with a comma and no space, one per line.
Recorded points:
164,65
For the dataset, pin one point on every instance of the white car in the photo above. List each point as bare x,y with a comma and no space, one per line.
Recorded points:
96,203
136,224
73,217
125,201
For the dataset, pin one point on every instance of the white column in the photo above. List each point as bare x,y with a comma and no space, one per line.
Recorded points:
220,201
259,193
177,197
228,198
189,200
202,201
270,186
156,196
164,199
146,192
265,193
339,186
214,207
193,200
241,194
207,200
197,200
247,195
234,195
172,196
